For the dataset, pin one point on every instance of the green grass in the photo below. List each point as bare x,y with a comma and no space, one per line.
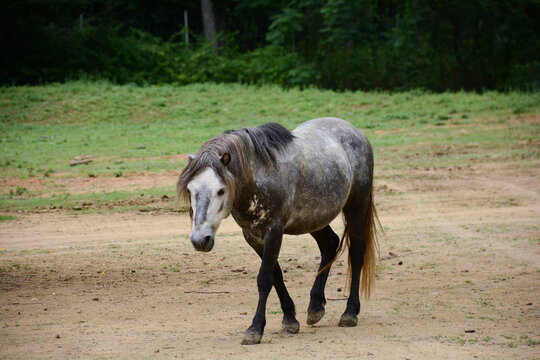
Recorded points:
6,218
130,129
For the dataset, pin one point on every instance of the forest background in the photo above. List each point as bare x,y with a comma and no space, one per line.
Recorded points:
473,45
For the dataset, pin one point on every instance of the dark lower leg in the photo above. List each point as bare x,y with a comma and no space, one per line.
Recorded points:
328,243
356,253
264,285
265,281
289,323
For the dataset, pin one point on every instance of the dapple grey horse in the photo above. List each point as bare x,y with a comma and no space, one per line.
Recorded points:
274,182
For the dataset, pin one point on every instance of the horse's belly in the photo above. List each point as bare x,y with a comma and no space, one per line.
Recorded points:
306,223
314,207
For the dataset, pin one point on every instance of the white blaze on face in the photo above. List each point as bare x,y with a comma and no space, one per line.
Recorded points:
210,202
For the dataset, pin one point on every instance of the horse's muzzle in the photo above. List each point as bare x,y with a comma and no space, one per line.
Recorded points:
202,243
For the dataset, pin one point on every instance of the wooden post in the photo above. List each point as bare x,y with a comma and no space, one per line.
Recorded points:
186,26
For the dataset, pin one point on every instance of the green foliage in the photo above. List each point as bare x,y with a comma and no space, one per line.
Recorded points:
525,76
361,44
141,58
335,44
284,26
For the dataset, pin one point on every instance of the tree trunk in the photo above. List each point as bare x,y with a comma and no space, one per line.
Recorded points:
209,19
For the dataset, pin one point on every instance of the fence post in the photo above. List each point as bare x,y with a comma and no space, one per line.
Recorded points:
186,26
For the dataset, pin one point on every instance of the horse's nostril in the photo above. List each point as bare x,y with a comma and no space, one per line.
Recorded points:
202,242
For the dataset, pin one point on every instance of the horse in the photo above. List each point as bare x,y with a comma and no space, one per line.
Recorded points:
274,182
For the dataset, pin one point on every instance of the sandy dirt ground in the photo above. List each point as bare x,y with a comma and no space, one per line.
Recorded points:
459,278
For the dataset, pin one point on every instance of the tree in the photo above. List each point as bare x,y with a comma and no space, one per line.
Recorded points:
209,19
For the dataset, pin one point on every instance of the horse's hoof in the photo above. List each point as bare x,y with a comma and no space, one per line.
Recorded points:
348,320
290,327
251,338
314,317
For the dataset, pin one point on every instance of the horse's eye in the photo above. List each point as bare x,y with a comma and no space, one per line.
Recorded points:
221,192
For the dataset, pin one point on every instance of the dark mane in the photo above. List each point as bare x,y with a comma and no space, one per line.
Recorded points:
263,142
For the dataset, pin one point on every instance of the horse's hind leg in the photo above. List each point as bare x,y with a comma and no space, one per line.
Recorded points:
357,249
328,243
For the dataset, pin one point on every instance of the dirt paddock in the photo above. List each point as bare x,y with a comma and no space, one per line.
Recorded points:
459,278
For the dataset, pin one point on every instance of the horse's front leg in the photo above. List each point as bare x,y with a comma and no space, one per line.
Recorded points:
289,323
265,280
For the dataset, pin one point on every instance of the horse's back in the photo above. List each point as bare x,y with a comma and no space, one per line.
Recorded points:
352,141
323,124
337,129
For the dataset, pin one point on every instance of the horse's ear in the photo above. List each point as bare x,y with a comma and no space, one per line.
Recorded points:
225,158
191,156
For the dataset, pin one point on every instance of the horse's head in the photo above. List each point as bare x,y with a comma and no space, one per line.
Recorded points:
211,202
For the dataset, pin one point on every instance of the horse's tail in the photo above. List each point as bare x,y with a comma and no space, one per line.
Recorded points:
370,224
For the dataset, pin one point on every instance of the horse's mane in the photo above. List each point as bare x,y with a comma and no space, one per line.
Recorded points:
262,143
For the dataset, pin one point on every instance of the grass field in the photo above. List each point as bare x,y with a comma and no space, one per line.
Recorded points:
131,130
